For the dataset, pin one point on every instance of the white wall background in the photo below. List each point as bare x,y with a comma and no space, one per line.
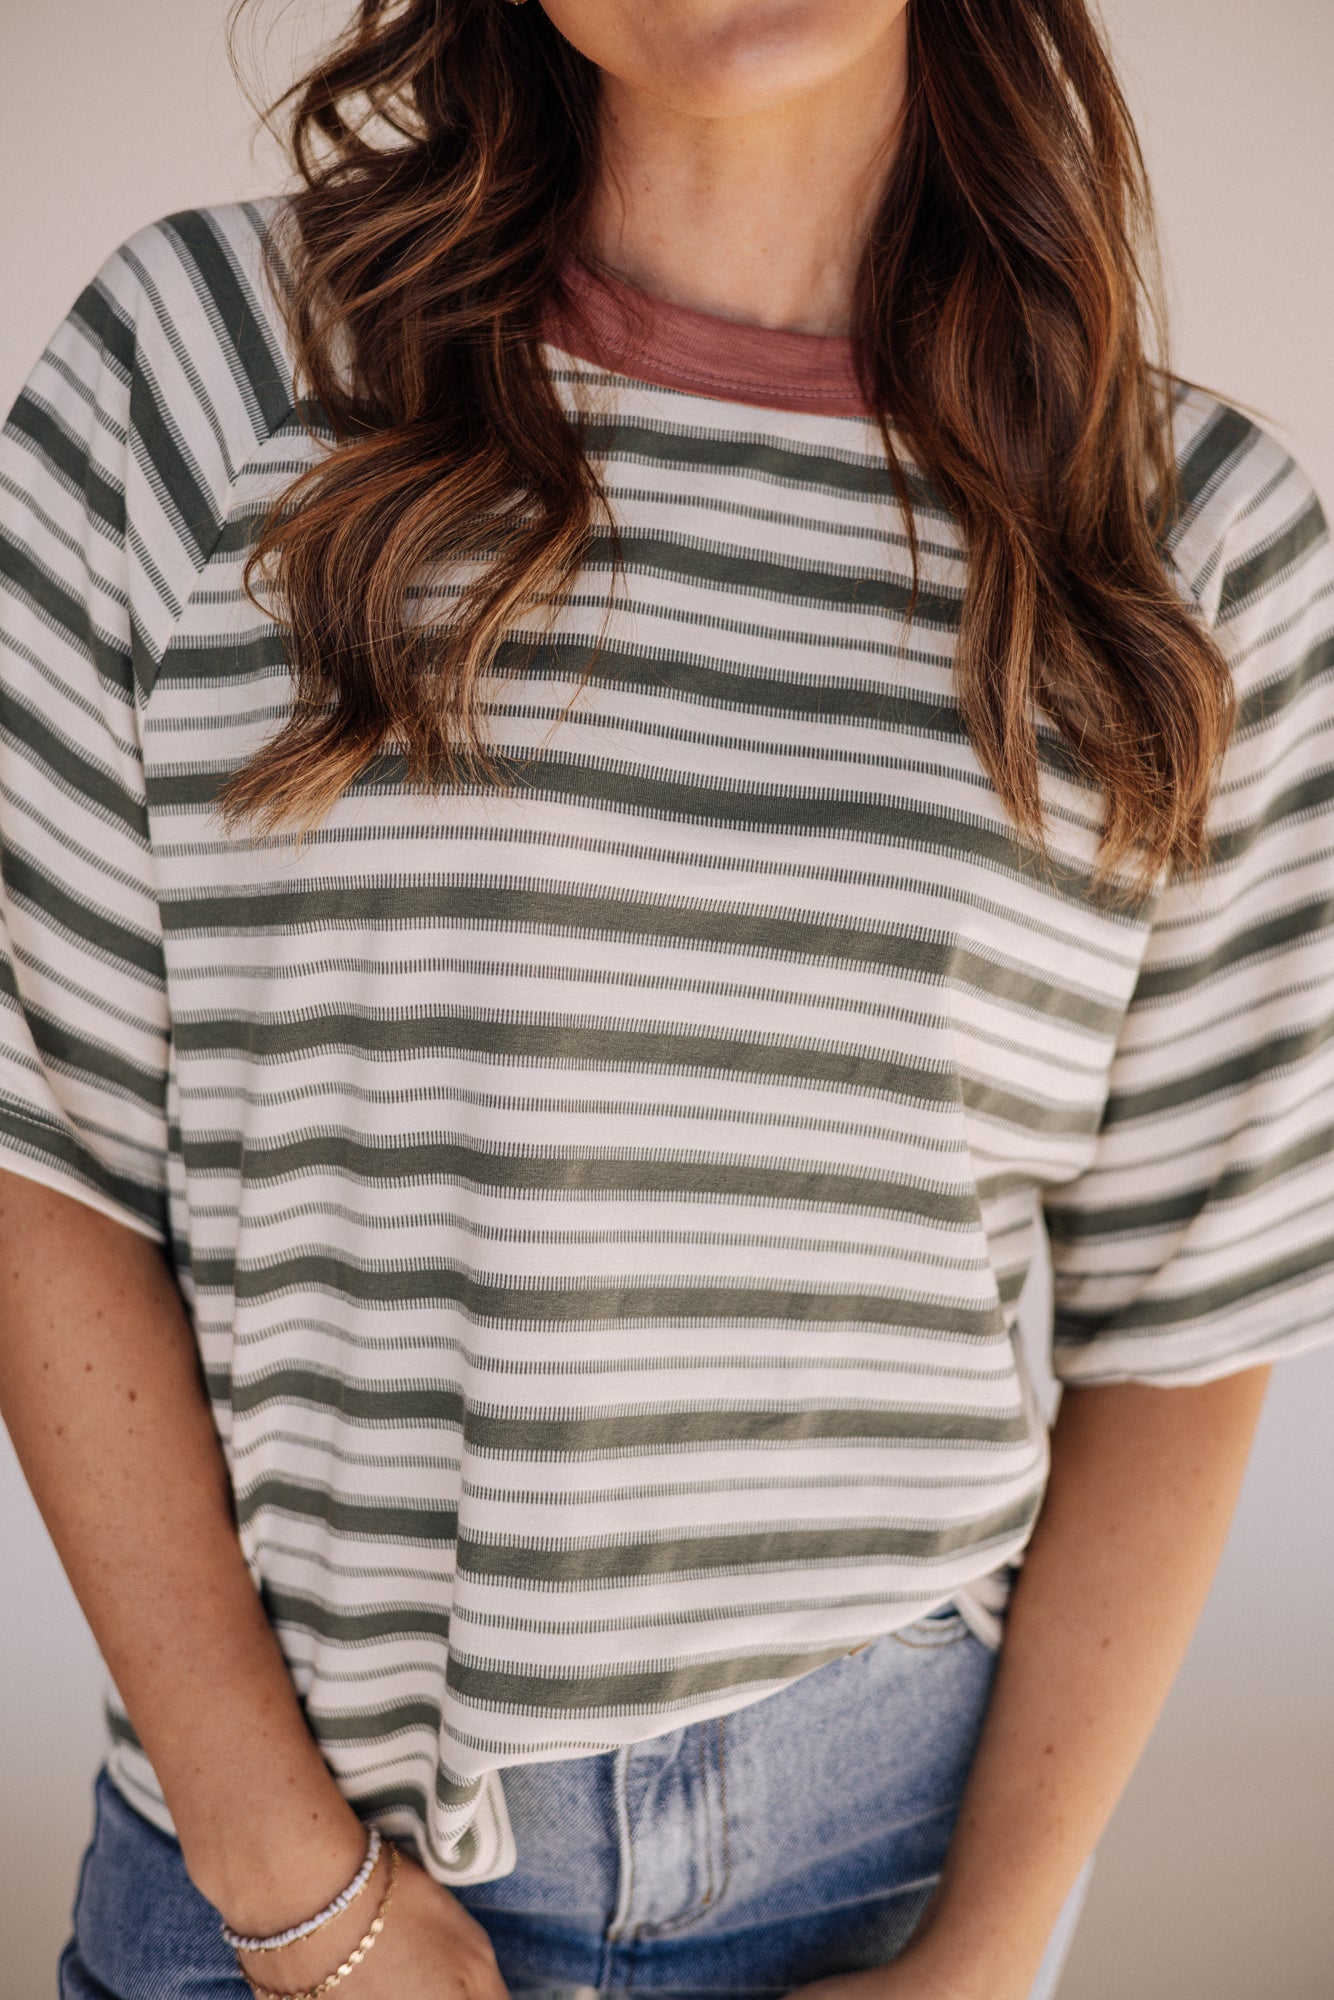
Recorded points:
1214,1882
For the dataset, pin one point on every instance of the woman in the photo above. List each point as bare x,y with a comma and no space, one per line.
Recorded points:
637,734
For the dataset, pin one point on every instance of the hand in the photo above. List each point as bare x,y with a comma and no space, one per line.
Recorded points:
430,1947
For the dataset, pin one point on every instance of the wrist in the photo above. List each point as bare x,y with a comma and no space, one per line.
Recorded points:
342,1941
339,1943
280,1860
965,1956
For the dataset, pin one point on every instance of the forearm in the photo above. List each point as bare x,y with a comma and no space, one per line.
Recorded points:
101,1391
1143,1485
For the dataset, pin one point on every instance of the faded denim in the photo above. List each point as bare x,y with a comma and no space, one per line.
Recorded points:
798,1837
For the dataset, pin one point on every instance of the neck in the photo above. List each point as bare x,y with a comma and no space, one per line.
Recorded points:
760,217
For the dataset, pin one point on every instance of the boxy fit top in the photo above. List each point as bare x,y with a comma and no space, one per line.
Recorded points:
602,1204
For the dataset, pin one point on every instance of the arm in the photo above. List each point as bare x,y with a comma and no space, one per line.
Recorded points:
1143,1485
1221,1059
101,1391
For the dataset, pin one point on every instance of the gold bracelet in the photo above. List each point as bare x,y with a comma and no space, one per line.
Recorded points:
353,1959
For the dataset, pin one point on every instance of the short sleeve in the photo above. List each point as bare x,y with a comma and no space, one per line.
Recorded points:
1199,1238
115,468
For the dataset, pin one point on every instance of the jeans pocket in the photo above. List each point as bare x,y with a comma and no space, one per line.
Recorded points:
944,1626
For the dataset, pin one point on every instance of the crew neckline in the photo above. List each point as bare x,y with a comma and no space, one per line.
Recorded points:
604,319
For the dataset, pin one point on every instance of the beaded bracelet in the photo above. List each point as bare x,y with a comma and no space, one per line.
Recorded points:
353,1959
325,1916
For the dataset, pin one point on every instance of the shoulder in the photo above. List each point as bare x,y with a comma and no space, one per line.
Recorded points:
123,455
1251,547
188,305
1249,527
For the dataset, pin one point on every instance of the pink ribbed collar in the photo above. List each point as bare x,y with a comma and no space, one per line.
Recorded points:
630,332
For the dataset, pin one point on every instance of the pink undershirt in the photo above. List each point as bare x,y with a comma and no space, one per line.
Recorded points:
630,332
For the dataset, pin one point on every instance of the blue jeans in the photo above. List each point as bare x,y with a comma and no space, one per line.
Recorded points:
789,1840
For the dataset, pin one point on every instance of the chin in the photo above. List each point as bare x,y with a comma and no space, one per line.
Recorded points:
724,58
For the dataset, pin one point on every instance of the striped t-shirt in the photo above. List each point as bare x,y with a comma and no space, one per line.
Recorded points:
603,1204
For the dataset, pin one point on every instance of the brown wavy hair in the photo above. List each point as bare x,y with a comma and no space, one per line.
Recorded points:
1005,331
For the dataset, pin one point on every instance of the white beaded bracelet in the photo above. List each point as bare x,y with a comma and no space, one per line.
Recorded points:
324,1916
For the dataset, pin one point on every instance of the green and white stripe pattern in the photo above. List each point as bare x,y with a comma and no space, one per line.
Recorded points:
603,1206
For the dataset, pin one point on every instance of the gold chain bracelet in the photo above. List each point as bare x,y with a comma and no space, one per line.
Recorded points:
353,1959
